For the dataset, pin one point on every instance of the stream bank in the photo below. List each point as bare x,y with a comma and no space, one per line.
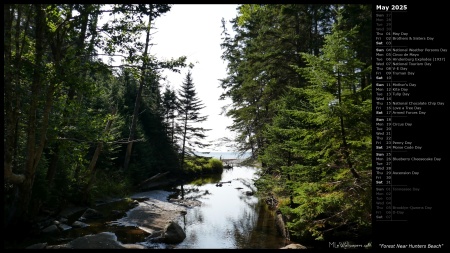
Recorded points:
219,211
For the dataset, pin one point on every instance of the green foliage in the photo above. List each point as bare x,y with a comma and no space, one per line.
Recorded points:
269,40
41,191
62,102
246,10
191,132
325,208
295,82
206,179
154,151
195,165
111,183
216,165
192,168
319,143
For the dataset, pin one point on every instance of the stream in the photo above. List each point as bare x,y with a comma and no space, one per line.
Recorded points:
227,216
230,216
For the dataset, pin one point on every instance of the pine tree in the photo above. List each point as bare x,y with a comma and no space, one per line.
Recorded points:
268,40
169,106
189,116
332,185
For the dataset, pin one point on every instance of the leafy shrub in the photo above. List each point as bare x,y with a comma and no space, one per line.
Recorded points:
216,165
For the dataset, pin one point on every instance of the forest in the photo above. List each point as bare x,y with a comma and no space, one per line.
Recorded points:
78,128
299,77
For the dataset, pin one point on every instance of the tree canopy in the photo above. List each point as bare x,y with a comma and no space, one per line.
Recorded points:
78,127
299,79
70,117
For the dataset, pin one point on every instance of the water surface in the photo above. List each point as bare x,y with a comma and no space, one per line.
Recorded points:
230,216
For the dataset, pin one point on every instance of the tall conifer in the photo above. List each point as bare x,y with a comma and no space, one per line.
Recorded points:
189,116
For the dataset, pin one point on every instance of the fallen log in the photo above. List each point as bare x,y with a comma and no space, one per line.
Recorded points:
220,183
148,180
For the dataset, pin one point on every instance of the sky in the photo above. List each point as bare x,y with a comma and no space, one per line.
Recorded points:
194,31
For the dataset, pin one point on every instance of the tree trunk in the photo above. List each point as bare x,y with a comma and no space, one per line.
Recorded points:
32,156
52,168
10,113
138,97
184,140
343,134
92,169
148,180
250,140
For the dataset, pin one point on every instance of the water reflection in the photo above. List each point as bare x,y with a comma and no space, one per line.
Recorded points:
228,217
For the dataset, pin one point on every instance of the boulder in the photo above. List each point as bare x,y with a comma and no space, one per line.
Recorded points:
134,203
64,227
63,220
51,229
91,214
173,233
294,246
79,224
280,225
104,240
37,246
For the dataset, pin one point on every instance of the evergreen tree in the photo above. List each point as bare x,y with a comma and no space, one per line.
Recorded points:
61,126
169,107
189,116
152,11
269,40
325,129
299,80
